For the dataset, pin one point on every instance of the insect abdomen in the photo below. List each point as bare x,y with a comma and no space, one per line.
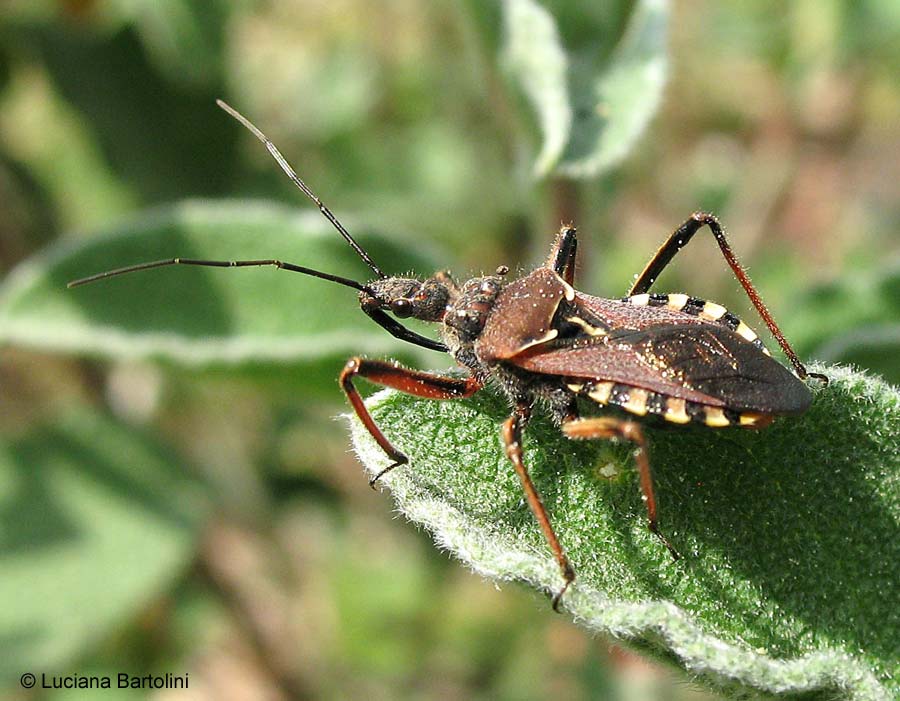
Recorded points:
641,402
701,308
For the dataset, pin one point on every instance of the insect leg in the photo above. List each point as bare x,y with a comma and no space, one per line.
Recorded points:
679,239
610,427
414,382
512,439
562,255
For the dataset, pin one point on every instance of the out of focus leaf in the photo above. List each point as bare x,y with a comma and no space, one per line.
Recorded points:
27,220
875,348
94,522
789,581
535,58
162,140
614,105
592,103
185,36
53,146
853,319
204,316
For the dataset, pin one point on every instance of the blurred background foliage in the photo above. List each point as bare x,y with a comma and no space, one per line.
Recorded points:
209,519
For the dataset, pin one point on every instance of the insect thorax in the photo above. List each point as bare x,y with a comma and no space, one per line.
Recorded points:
466,315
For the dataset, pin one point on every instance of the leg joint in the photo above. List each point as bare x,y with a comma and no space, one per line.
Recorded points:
705,217
351,368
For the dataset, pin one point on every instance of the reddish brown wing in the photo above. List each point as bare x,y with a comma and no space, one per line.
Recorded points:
691,358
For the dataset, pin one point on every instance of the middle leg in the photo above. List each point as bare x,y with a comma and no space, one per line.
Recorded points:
512,439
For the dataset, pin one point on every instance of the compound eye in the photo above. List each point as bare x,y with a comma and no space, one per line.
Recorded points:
402,308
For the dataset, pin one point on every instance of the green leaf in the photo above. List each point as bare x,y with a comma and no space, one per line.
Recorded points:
186,37
534,56
146,135
856,300
94,522
614,106
852,320
203,316
789,580
875,348
592,104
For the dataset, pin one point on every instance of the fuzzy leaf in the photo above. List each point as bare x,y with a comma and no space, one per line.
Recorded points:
203,316
185,37
789,580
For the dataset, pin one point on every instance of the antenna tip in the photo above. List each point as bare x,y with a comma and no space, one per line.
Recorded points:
225,106
80,281
243,120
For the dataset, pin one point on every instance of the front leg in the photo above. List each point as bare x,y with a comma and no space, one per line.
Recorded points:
395,376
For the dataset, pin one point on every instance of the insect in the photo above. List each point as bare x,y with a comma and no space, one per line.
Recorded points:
671,356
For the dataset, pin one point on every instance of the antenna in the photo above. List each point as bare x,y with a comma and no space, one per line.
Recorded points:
291,173
285,166
220,264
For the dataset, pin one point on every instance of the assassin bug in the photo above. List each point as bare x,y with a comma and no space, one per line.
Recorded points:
670,356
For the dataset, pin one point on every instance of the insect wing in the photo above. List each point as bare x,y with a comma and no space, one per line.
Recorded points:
721,364
696,361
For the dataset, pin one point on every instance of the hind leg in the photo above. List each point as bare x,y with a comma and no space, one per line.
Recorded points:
611,427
